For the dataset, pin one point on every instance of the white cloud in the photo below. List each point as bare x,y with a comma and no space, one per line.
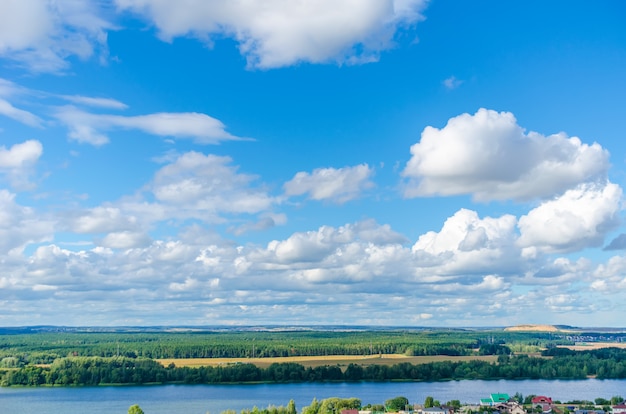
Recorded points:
125,240
95,101
579,218
452,83
468,244
491,157
20,115
41,35
334,273
610,277
337,185
20,226
279,33
20,155
9,89
205,186
87,128
102,219
18,162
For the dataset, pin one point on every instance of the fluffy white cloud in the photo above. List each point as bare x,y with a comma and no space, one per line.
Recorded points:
100,220
125,240
20,226
337,185
40,35
207,185
468,244
579,218
88,128
334,273
491,157
283,32
18,162
610,276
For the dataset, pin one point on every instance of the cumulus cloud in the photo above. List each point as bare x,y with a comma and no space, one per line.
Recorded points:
102,219
88,128
125,240
41,35
20,226
205,186
491,157
18,162
334,272
336,185
283,32
194,188
467,244
580,218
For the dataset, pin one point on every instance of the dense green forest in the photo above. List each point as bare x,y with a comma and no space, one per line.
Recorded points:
602,363
45,347
92,358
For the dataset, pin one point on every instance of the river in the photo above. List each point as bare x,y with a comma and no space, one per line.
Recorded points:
213,399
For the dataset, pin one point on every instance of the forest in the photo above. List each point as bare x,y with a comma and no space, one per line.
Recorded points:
97,358
603,364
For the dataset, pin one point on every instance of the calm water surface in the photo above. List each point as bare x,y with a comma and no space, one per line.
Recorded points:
200,399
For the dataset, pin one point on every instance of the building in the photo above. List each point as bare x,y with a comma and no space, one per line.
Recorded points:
495,399
619,408
542,401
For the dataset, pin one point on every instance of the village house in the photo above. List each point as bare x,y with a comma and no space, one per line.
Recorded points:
542,401
437,410
509,407
495,399
619,408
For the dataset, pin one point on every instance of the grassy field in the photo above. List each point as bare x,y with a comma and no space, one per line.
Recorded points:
316,361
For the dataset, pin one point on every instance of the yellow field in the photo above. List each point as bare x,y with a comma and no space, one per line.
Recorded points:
316,361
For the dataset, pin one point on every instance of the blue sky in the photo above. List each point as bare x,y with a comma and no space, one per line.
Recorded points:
315,162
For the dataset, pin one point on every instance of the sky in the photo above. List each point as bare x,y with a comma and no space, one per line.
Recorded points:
312,162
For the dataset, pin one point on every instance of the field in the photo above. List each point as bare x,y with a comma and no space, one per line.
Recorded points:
316,361
588,346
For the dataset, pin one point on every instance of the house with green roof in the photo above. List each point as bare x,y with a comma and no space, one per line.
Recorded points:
495,399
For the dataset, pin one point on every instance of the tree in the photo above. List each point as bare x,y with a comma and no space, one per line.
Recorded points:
313,408
291,407
135,409
454,403
429,402
397,403
617,399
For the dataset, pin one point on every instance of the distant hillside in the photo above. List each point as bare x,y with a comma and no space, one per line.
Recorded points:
532,328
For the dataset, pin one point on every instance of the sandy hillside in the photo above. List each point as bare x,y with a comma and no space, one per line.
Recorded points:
533,328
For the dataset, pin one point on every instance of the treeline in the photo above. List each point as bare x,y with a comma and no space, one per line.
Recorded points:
603,364
43,348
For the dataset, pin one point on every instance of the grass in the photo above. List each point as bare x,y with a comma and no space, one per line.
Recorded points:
316,361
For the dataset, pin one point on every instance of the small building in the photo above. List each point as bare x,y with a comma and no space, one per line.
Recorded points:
619,408
495,399
435,410
542,401
510,407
